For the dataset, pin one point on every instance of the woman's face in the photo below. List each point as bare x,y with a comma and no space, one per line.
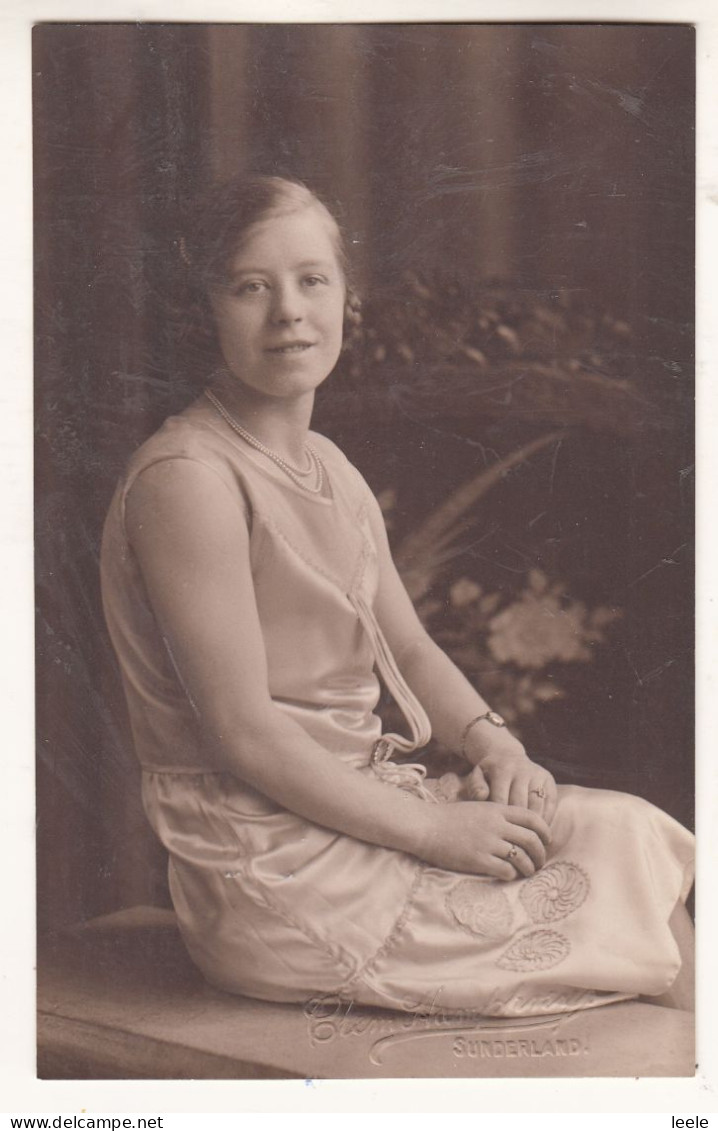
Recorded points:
279,316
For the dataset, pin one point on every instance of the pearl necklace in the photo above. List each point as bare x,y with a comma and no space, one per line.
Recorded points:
296,474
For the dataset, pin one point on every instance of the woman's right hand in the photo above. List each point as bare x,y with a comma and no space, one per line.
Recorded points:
477,836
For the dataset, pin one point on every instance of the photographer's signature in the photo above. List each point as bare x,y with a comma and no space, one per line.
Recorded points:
493,1035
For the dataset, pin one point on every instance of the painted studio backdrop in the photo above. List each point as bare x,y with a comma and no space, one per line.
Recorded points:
517,387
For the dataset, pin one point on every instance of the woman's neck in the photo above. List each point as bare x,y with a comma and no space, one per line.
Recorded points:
281,424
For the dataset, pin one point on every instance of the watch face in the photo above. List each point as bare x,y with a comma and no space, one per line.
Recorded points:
496,719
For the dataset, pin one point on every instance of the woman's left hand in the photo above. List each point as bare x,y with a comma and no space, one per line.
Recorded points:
505,774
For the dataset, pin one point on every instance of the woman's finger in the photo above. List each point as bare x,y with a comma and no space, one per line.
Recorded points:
537,796
542,796
519,858
498,868
500,787
551,800
528,843
518,793
526,819
477,787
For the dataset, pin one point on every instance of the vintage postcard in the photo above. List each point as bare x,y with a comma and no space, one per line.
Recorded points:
364,363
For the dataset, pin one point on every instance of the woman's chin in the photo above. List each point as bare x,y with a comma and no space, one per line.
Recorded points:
287,382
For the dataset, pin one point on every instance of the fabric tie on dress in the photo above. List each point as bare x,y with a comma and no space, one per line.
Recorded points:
410,775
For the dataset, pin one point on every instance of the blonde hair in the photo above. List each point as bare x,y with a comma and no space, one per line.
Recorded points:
223,216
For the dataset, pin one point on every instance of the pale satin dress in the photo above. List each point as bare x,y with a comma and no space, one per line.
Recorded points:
276,907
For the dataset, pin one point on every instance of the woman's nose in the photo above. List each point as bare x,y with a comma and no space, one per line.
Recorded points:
287,306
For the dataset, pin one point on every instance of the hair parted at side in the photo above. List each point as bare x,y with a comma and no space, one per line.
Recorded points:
219,221
215,225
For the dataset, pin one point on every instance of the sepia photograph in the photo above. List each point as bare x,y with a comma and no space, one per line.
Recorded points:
364,527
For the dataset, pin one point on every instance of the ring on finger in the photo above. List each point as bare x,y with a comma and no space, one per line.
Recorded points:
512,852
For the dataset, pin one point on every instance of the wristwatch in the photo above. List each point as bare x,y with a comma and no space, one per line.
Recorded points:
492,717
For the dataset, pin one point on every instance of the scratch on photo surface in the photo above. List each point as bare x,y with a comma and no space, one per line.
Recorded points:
643,680
663,562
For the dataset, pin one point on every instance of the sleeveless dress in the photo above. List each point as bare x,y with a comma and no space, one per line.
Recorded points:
276,907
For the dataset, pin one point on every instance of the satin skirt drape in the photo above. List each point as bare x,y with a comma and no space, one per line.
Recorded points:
275,907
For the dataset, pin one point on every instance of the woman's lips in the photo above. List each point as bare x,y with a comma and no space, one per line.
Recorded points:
291,347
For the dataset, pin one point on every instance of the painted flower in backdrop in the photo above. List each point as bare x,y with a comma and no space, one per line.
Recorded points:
509,646
514,645
464,592
545,626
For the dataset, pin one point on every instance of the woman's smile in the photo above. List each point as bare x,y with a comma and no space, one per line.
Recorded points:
290,348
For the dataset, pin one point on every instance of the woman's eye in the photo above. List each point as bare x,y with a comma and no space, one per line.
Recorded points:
314,280
253,287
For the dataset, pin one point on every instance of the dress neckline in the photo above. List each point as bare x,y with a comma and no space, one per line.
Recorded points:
266,467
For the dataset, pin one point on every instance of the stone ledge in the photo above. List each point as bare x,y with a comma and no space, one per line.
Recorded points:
119,998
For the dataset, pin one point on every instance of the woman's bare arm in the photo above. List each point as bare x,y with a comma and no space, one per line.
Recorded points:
451,702
192,544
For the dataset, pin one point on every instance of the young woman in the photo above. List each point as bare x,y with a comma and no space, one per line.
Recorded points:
253,604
